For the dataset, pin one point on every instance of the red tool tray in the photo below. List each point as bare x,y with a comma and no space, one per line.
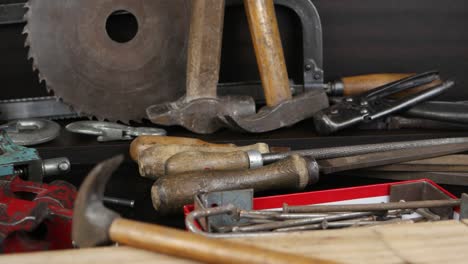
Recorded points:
379,193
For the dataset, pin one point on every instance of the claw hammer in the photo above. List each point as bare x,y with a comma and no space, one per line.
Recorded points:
94,224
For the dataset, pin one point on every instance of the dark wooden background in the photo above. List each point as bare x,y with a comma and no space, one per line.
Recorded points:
360,36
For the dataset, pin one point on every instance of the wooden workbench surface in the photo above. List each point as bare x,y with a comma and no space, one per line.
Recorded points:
441,242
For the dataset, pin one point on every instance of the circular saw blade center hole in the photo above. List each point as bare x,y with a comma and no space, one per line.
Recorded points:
122,26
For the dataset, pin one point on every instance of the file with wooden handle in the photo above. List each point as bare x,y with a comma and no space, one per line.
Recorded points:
152,161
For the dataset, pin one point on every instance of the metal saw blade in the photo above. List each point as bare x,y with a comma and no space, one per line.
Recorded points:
98,76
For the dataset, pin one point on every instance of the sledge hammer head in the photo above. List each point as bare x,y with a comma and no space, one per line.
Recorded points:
200,115
284,114
91,220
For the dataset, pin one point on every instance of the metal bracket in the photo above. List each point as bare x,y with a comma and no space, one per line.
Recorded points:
419,192
241,199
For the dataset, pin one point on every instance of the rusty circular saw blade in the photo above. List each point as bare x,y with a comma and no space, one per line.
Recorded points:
98,76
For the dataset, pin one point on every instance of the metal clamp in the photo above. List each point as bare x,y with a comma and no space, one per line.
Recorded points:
312,36
107,131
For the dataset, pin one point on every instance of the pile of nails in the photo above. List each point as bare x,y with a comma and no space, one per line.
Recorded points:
302,218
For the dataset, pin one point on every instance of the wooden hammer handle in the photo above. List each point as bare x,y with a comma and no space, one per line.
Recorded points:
172,192
268,50
152,161
204,49
187,245
201,161
143,142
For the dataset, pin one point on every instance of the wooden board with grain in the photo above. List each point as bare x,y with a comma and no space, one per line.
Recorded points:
441,242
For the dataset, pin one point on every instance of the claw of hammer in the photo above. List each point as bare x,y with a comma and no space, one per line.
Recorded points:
285,114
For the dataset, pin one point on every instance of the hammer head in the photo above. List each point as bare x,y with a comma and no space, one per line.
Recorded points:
285,114
201,115
91,220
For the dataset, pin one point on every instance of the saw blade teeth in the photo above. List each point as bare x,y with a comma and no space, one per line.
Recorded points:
25,30
50,90
27,44
41,77
30,56
52,18
27,14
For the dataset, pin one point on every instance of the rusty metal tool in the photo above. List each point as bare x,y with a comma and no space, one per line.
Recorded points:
198,110
377,103
171,192
104,74
343,224
243,231
371,207
131,72
230,213
94,224
237,160
300,222
282,108
196,217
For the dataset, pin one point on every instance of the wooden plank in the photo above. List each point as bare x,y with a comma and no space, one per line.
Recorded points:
419,243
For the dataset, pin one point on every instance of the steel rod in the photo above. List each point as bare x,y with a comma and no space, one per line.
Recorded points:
336,152
371,207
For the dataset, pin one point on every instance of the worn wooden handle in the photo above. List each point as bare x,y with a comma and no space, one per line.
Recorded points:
268,50
143,142
202,161
187,245
204,49
152,161
170,193
356,85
